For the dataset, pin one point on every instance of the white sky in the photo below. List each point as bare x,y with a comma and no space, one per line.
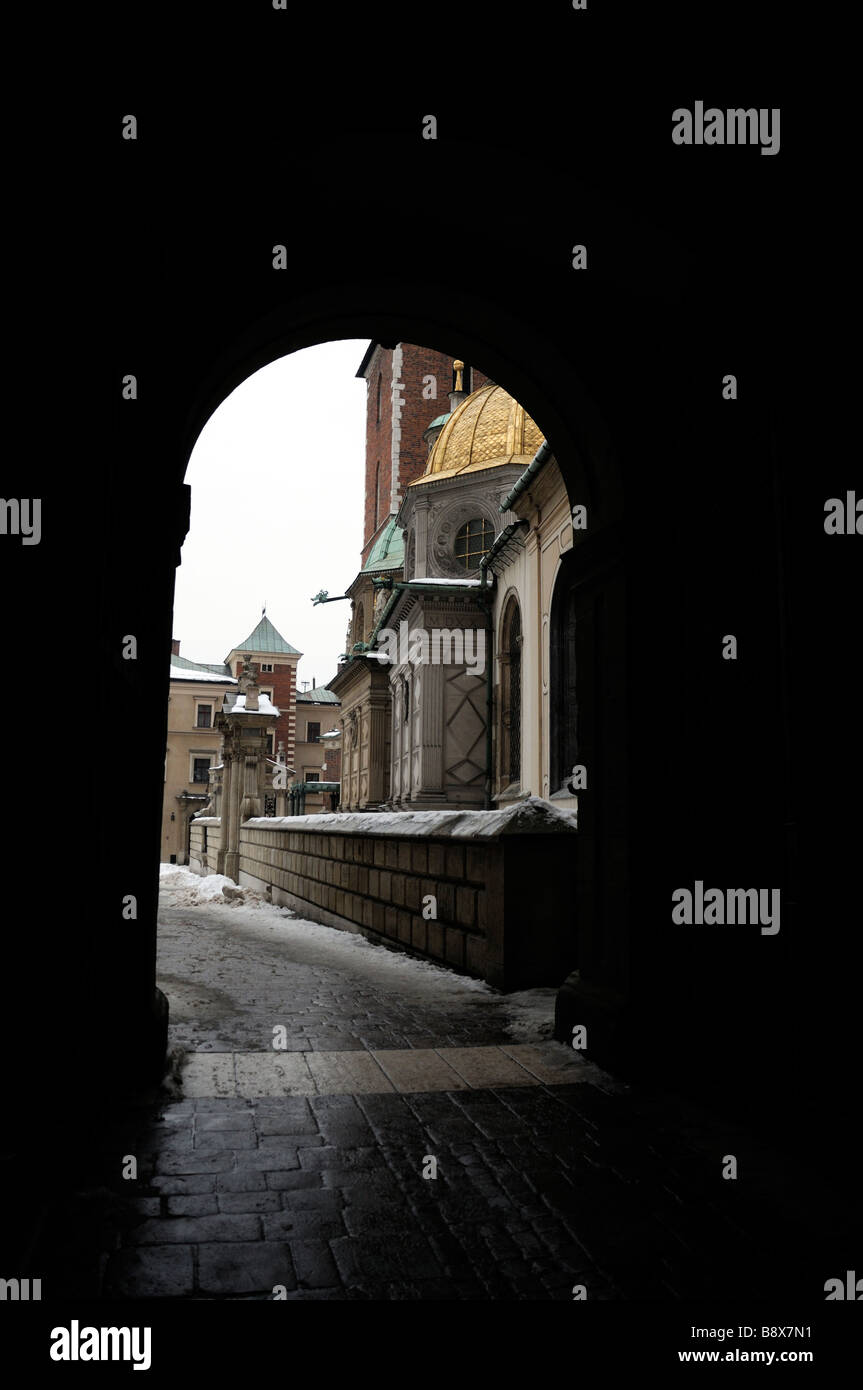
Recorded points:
277,479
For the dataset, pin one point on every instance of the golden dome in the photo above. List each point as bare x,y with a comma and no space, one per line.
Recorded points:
488,429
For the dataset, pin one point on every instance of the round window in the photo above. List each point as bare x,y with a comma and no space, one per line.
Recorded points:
473,541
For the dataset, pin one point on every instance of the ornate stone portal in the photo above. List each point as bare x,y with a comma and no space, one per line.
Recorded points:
243,726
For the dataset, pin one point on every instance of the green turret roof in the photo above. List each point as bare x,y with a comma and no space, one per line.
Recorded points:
199,670
265,638
388,551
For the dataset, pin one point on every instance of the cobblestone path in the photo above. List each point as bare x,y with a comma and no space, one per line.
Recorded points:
416,1137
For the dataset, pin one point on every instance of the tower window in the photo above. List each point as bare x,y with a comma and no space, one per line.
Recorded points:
473,541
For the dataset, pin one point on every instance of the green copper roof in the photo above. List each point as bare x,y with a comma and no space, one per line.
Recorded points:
441,420
388,551
319,696
183,663
265,638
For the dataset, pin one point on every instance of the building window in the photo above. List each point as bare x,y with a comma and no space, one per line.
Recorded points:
380,387
473,541
266,665
313,777
313,732
200,769
406,705
268,694
270,744
204,717
377,494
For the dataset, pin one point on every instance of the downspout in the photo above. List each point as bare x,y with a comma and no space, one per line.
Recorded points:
489,671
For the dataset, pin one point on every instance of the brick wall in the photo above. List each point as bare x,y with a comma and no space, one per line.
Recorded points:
282,680
416,415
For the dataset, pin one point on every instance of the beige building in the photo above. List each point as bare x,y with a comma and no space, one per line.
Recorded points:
197,692
318,714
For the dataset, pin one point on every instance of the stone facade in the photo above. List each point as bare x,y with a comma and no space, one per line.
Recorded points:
192,749
364,719
315,761
439,711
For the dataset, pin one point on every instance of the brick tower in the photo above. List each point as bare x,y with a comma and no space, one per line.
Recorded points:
408,390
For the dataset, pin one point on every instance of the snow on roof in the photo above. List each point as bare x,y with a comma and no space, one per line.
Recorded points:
462,583
530,816
319,695
193,673
265,706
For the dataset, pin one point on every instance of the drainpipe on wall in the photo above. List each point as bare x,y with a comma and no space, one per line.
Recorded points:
489,705
489,682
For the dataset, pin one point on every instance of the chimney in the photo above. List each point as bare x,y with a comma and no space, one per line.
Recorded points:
175,646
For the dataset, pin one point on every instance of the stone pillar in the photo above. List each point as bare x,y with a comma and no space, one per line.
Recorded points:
232,844
227,803
378,744
282,791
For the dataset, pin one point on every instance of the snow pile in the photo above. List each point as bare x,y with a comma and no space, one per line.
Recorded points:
182,888
265,706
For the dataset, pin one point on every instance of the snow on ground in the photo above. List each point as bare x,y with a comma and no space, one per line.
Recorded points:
529,1013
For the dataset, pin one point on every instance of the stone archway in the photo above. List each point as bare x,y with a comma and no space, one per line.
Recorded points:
570,417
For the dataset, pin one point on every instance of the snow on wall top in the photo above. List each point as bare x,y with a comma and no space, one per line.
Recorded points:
532,816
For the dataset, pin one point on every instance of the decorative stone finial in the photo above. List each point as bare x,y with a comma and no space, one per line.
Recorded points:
458,367
248,676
